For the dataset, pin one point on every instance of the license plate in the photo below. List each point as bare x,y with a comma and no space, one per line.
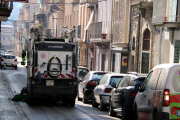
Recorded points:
49,82
177,113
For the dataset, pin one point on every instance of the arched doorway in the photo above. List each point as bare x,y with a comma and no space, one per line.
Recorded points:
145,52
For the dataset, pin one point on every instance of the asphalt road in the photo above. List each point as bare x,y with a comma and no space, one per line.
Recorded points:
17,80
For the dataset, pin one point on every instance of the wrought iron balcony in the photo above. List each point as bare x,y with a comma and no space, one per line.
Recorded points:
166,14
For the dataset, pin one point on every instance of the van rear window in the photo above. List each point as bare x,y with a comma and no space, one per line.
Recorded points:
176,81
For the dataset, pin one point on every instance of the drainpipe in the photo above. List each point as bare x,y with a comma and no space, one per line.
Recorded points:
129,52
137,48
160,49
112,20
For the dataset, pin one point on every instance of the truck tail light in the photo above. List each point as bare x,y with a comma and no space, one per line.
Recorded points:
92,82
107,90
133,93
15,60
166,97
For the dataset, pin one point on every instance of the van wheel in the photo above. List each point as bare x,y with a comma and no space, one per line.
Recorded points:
124,113
94,103
155,115
102,105
135,113
111,112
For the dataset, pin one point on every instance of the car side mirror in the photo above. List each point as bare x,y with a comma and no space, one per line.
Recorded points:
138,87
113,85
80,80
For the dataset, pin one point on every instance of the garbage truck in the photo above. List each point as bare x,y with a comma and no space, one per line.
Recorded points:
51,69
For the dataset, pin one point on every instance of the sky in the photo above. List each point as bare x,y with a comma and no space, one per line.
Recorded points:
15,12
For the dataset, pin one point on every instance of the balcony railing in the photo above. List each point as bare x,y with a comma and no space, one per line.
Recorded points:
96,30
165,11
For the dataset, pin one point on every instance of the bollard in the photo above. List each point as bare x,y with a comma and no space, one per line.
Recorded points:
5,66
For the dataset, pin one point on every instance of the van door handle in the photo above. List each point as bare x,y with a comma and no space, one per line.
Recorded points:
144,95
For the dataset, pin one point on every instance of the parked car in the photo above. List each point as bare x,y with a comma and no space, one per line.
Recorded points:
87,85
159,96
11,52
122,96
10,60
102,91
82,71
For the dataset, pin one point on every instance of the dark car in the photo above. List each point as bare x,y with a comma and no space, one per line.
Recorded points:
87,85
122,96
82,71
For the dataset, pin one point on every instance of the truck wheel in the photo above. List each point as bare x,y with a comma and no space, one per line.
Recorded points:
29,100
94,103
64,102
72,102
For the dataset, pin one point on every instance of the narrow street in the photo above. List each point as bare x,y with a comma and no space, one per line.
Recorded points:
12,81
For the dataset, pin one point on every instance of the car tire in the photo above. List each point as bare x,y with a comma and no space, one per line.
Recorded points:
102,105
111,112
15,67
124,111
94,103
84,100
155,115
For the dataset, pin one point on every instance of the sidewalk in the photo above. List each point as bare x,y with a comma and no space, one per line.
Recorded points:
9,110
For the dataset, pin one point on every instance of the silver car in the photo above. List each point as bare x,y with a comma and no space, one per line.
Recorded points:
102,91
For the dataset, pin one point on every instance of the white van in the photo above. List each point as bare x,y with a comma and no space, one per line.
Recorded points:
159,96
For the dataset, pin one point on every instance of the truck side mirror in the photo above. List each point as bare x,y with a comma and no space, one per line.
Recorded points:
23,55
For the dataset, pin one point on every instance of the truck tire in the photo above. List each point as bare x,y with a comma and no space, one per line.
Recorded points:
72,102
30,101
64,102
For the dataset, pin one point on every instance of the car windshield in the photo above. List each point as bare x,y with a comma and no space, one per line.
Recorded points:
97,76
115,80
83,71
9,57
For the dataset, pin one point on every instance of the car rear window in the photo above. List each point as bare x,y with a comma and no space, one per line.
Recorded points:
115,80
82,71
97,76
9,57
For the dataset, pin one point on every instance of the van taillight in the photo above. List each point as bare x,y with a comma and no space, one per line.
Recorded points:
15,60
166,97
93,82
133,93
107,90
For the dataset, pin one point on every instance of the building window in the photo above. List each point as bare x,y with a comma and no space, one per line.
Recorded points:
3,38
146,40
133,44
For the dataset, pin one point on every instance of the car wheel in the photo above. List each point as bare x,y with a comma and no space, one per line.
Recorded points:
15,67
84,100
94,103
102,105
111,112
124,113
155,115
79,99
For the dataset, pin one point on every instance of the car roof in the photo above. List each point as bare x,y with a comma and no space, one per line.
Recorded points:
98,71
82,67
8,55
115,74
